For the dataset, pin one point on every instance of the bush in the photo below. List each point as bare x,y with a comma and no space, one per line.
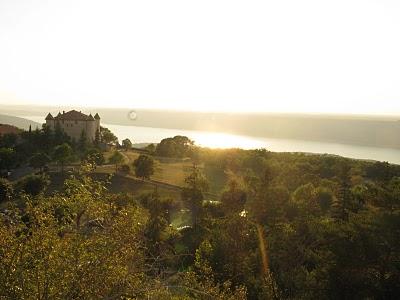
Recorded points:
6,190
33,184
124,169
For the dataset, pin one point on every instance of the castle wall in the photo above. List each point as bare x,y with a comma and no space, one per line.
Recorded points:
50,124
74,128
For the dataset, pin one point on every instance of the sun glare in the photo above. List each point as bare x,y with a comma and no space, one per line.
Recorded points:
223,140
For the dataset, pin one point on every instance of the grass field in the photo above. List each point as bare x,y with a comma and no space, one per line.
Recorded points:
169,171
174,171
118,184
168,178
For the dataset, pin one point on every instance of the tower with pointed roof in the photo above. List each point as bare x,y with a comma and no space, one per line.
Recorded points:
73,123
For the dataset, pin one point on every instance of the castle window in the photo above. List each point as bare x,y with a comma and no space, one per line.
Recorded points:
76,122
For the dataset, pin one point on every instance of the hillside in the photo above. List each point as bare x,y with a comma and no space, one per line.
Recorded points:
18,122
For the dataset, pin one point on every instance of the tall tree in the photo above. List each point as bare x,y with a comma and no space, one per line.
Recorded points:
233,199
193,193
82,142
97,140
126,144
7,158
94,156
144,166
62,154
116,158
107,136
341,205
39,161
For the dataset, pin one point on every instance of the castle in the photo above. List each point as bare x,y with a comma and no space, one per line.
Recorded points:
73,123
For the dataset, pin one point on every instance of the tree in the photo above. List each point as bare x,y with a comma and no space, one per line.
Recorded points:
116,158
33,184
94,156
193,193
82,142
178,146
107,136
233,199
46,139
150,148
7,158
39,160
96,141
62,154
342,204
60,137
144,166
5,190
126,144
324,198
8,140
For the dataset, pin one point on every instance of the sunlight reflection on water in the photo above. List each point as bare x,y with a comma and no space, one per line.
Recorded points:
224,140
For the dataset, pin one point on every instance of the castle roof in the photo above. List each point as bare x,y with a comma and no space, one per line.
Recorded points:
49,117
96,116
74,115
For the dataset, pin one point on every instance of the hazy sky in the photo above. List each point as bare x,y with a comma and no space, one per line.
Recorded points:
305,56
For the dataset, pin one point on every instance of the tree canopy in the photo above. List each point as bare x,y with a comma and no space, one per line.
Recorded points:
144,166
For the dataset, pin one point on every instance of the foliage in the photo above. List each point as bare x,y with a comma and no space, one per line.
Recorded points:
62,154
150,148
107,136
8,140
7,158
233,199
33,184
116,158
286,226
193,193
124,169
144,166
94,156
178,146
6,190
82,142
39,160
126,144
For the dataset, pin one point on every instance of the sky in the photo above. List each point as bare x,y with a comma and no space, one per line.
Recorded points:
339,56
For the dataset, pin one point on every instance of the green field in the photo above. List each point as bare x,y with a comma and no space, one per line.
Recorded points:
174,171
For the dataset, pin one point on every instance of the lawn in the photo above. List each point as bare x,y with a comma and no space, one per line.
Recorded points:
174,171
170,171
118,184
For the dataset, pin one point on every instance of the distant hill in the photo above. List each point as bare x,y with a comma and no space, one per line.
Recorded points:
18,122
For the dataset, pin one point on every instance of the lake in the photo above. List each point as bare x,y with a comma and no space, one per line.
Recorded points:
139,134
